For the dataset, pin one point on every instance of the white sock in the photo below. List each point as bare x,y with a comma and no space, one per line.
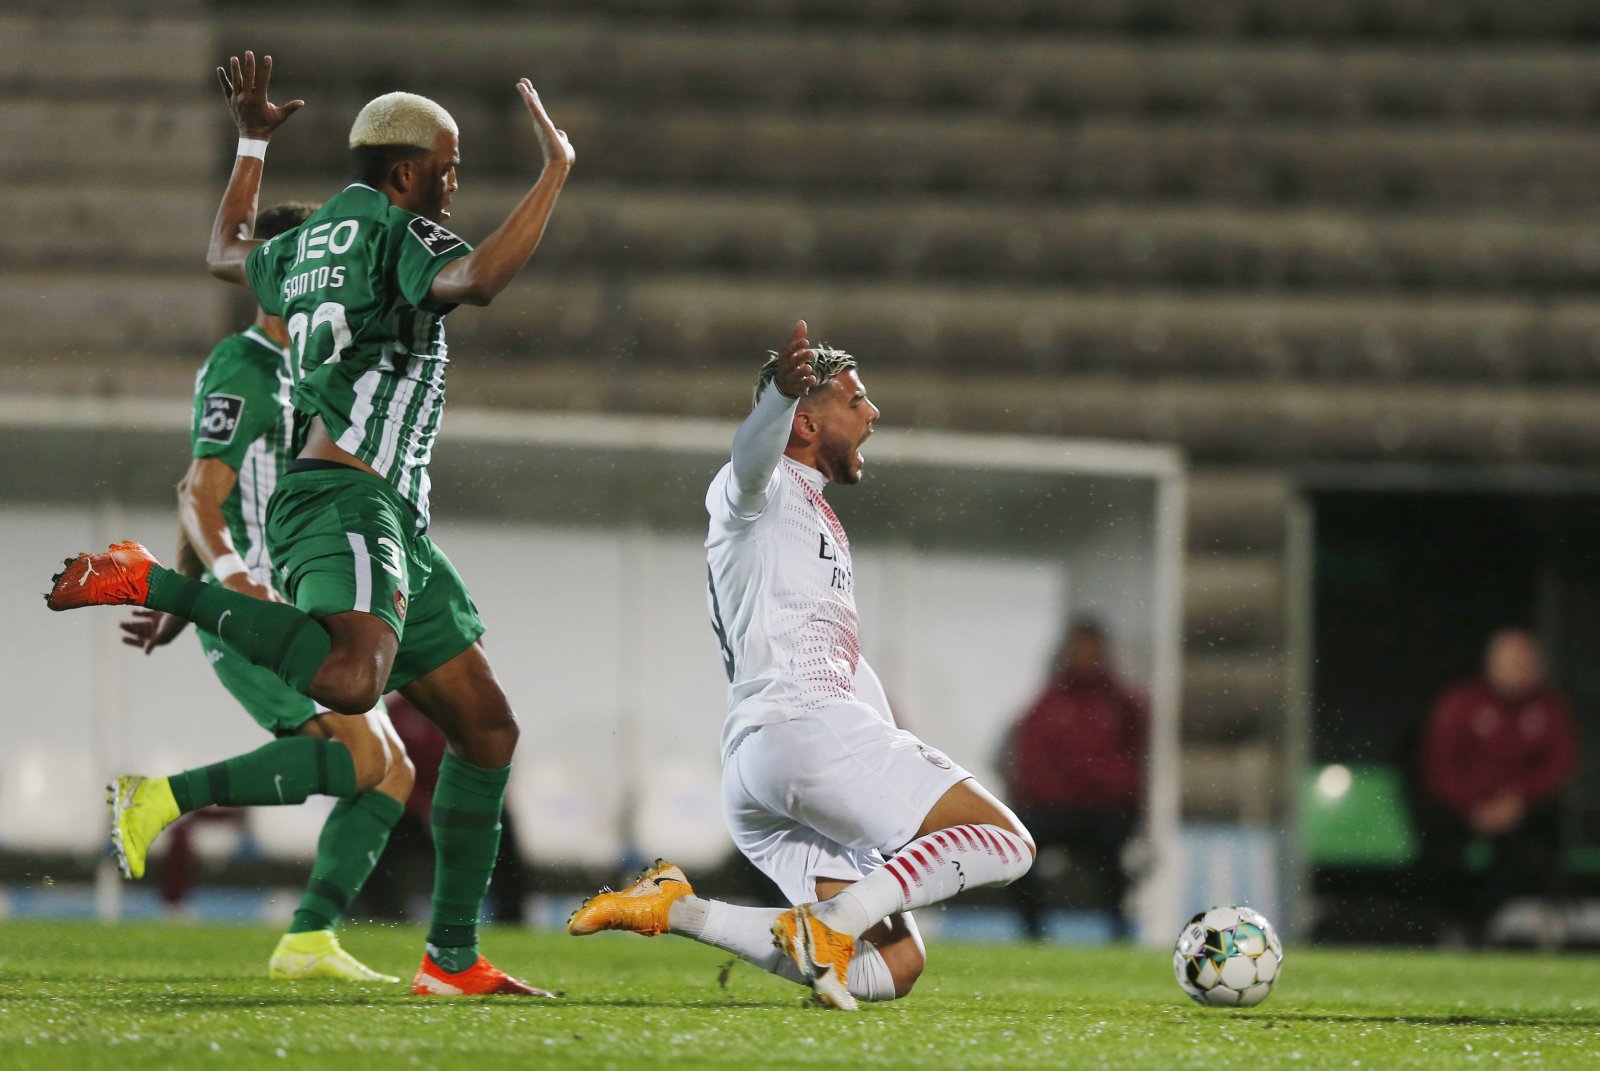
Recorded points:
869,976
744,931
926,871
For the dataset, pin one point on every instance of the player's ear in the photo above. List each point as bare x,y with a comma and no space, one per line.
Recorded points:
805,424
402,175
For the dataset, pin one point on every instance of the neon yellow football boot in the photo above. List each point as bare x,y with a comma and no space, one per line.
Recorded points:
141,807
317,954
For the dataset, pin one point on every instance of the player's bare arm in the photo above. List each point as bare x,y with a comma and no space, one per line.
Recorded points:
187,560
477,278
201,493
244,85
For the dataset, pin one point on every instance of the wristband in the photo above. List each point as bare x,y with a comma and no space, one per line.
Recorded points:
224,567
256,147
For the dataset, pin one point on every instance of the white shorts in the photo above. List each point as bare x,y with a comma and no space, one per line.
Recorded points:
829,794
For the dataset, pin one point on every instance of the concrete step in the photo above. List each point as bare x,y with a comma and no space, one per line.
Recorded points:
1336,339
136,139
627,64
1237,512
63,51
161,227
617,229
107,316
1234,603
1423,20
878,153
1227,783
1232,697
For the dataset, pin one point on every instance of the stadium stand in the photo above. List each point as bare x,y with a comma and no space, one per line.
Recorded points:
1274,234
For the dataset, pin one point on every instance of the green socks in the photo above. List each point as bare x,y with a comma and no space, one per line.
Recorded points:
352,840
466,839
274,635
284,771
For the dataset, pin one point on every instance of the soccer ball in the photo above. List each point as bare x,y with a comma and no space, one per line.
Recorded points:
1228,957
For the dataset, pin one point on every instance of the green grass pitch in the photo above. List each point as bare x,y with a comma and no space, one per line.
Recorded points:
78,996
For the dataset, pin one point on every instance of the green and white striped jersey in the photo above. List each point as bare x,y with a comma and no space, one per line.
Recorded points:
368,344
243,418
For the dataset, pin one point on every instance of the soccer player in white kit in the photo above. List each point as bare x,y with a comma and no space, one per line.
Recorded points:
855,819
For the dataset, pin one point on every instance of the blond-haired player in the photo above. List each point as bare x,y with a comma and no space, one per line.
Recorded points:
363,287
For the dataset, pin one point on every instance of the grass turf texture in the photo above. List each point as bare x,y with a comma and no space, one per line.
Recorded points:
81,996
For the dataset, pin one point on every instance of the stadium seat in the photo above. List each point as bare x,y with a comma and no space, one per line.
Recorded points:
560,819
289,833
1355,815
52,801
683,818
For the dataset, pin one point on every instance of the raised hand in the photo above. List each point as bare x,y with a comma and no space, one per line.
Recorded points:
795,377
244,84
150,629
552,142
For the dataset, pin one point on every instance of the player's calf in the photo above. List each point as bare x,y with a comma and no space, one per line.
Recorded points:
932,868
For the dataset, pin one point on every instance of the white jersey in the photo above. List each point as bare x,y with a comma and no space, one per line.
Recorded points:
782,598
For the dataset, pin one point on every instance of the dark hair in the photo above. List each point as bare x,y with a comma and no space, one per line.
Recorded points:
271,222
827,364
371,164
1086,625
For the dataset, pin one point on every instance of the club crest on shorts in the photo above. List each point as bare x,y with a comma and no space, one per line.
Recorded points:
400,603
933,756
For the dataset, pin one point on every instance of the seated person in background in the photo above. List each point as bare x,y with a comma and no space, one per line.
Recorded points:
1075,765
1496,752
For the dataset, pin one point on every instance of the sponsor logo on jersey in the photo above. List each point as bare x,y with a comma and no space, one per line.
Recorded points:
219,417
400,604
933,756
434,238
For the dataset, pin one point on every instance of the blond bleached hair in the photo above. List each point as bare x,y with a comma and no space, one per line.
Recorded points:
401,119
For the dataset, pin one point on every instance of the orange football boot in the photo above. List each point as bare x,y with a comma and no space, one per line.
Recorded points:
119,576
642,907
482,979
821,953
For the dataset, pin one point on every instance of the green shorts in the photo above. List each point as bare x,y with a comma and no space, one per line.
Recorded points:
275,706
342,539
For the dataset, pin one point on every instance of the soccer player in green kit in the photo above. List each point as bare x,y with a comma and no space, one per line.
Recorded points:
243,435
363,286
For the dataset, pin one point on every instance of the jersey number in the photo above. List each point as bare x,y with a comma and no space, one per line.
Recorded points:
303,335
718,627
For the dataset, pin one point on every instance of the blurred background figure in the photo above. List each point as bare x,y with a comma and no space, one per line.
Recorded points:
1496,752
1075,768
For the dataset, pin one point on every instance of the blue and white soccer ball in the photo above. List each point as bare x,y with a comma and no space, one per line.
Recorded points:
1228,957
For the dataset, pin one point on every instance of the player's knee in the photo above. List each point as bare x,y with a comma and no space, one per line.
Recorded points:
348,686
371,761
905,967
488,739
1027,839
498,736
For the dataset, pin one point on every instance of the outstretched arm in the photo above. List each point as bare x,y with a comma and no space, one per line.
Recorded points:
245,87
761,439
201,493
478,277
